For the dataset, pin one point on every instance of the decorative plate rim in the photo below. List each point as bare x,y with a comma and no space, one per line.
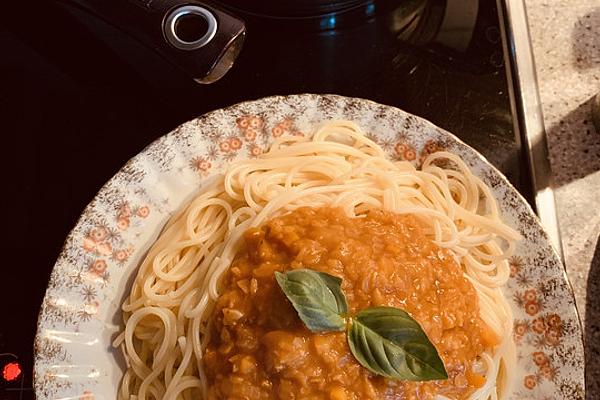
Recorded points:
231,109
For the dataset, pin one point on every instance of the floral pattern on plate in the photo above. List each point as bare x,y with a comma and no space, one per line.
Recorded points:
80,313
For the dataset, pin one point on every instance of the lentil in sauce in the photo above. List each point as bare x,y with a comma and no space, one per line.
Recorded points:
260,349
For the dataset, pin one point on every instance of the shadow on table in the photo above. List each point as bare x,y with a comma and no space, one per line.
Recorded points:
573,139
586,41
577,159
592,329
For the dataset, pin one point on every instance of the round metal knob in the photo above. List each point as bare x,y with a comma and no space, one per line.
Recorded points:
190,27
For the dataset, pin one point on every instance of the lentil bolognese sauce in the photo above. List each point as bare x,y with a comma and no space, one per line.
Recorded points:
259,348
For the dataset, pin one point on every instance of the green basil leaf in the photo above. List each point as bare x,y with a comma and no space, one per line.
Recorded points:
317,297
389,342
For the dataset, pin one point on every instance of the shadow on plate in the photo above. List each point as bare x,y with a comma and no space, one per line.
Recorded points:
592,328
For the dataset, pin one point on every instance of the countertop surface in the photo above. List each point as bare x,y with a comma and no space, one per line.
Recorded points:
566,44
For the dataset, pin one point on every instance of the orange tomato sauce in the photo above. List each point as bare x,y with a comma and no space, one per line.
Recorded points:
259,348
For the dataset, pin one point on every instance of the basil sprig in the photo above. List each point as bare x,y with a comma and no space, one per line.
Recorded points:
389,342
317,297
385,340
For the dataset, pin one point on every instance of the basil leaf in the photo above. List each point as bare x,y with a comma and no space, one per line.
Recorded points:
389,342
317,297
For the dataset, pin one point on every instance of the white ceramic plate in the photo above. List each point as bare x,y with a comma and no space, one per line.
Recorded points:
80,313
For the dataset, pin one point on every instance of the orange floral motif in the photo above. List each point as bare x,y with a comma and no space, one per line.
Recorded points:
287,123
554,321
515,263
201,164
431,147
285,126
530,381
553,336
243,122
102,248
540,358
235,143
400,148
539,325
225,147
405,152
520,329
95,241
121,255
143,211
514,270
410,155
124,211
277,131
205,165
98,234
123,223
250,126
255,151
530,295
250,134
532,307
256,122
98,267
548,372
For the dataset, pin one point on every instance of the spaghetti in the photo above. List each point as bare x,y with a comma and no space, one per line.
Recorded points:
166,313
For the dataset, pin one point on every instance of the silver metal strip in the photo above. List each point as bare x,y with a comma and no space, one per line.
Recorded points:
527,109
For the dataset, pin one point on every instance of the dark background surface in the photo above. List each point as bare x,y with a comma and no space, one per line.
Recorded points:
76,102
